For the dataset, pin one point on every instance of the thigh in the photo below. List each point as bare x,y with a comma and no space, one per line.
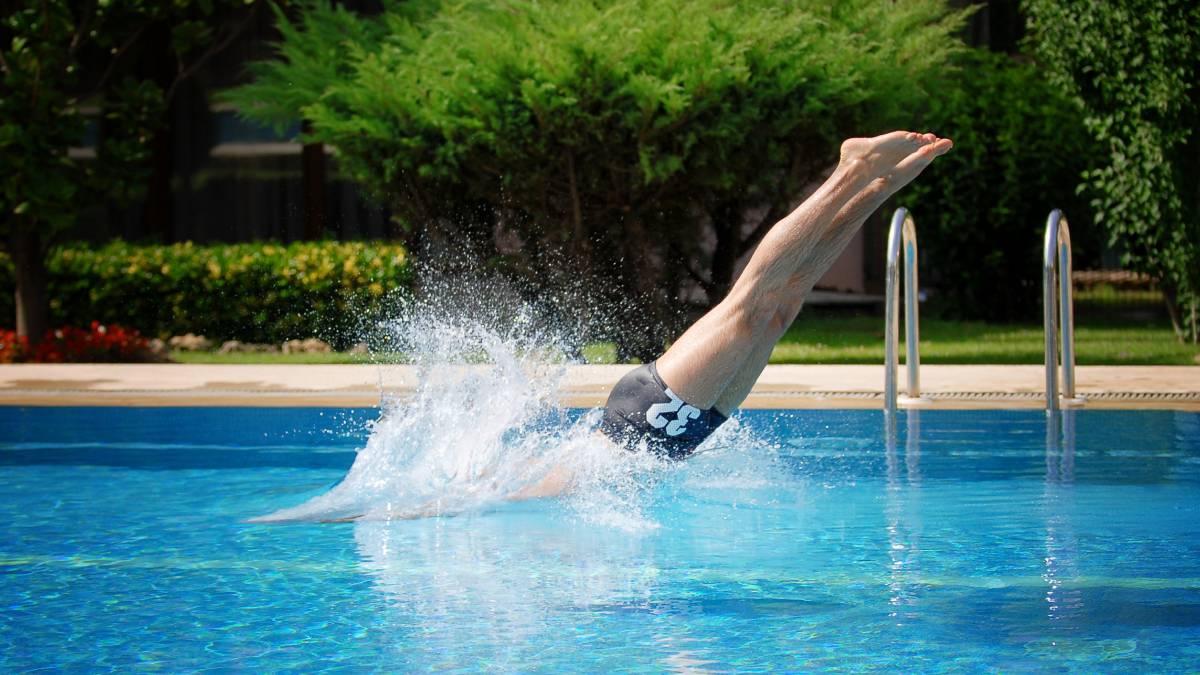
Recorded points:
723,351
741,385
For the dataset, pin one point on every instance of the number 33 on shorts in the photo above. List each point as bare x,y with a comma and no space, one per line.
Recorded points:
656,414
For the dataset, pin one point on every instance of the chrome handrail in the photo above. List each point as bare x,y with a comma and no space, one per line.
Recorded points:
1056,269
903,231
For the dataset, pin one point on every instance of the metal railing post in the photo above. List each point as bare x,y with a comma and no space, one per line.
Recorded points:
903,233
1056,285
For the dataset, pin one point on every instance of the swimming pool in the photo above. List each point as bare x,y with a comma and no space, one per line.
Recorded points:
970,542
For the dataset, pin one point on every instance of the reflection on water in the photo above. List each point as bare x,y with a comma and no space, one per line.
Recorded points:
493,588
902,512
504,581
1064,601
497,584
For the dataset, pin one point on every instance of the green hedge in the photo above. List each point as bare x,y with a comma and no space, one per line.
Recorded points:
250,292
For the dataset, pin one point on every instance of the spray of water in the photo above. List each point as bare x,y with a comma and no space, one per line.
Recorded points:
483,426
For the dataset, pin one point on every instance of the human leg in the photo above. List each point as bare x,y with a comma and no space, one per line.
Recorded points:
718,359
555,482
715,363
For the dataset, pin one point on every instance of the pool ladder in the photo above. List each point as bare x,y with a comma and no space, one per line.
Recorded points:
1056,281
903,234
1056,284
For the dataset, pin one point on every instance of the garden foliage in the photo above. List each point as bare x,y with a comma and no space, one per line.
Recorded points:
639,147
1019,151
263,293
1134,66
97,343
13,348
58,58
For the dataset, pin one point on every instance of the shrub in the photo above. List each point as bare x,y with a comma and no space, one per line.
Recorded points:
13,347
1133,65
60,57
96,344
648,143
248,292
1019,150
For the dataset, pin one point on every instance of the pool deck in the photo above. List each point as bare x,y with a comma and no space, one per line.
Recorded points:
782,386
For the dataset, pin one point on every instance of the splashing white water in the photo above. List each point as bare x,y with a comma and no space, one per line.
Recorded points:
482,426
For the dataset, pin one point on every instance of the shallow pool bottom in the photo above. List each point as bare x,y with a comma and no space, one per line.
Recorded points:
970,540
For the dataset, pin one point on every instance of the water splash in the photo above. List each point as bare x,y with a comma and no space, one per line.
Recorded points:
483,425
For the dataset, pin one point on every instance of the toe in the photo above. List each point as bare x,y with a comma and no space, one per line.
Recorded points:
912,165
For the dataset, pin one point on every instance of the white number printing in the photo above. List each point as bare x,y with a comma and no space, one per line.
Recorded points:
656,414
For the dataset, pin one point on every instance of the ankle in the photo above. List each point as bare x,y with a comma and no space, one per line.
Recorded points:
850,176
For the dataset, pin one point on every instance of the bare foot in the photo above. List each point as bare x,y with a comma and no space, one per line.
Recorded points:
870,158
911,166
883,186
906,169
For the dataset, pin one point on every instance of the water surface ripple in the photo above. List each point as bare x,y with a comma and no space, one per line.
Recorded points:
807,540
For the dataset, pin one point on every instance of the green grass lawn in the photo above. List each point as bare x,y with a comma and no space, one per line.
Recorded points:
825,339
860,340
278,358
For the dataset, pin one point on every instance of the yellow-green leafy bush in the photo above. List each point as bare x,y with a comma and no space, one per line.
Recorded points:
250,292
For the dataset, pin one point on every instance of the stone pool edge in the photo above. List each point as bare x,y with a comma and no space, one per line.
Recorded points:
781,386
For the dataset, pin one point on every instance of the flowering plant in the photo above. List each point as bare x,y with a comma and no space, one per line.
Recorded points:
13,347
97,344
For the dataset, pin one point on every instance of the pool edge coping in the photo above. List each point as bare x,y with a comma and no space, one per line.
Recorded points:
780,386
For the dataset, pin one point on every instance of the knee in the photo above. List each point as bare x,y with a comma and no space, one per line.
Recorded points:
767,314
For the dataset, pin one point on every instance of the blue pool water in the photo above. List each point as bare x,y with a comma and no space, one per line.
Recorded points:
971,541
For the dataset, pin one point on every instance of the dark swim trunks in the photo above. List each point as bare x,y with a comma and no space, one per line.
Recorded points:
641,407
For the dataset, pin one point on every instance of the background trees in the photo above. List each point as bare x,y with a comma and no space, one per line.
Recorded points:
1133,65
1019,150
635,148
57,59
628,153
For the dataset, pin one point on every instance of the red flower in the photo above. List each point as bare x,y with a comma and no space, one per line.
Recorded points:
99,343
13,347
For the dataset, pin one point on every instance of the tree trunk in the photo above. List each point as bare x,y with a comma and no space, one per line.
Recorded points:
1195,323
643,320
726,223
29,260
158,209
1182,321
314,188
157,62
